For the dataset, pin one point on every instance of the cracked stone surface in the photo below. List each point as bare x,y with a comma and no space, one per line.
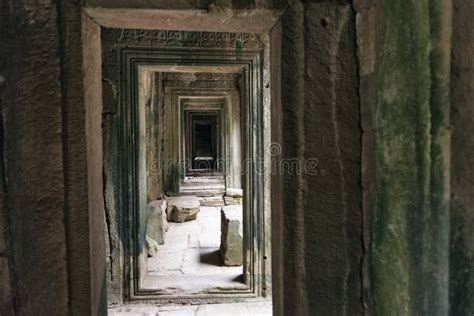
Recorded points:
189,260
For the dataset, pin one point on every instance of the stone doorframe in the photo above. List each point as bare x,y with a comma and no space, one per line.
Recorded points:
173,94
212,119
230,132
253,63
202,106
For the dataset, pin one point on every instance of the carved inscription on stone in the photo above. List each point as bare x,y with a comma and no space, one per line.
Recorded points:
181,38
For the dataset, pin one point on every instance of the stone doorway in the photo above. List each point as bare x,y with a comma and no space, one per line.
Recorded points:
203,139
172,84
194,234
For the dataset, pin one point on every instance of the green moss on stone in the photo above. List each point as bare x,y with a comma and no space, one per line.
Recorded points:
401,220
173,179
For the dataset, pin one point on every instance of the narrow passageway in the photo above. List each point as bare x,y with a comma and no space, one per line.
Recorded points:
195,113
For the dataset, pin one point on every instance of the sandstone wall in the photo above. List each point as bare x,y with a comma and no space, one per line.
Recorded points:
6,295
322,212
461,282
33,155
410,219
48,185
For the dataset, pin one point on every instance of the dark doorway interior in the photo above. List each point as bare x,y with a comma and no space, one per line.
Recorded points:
202,141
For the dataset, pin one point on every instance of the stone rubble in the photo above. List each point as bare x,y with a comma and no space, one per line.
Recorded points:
182,209
157,222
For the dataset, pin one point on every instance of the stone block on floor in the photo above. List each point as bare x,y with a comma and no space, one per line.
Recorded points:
157,223
231,235
182,209
214,200
151,246
233,196
234,192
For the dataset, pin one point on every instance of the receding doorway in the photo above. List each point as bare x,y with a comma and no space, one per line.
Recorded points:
195,235
178,102
203,141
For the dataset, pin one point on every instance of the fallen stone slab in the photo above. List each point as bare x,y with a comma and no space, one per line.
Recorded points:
157,222
182,208
215,200
234,192
231,235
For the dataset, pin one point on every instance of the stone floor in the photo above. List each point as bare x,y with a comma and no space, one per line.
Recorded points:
260,308
189,261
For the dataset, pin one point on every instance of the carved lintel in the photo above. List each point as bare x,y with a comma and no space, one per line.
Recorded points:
182,38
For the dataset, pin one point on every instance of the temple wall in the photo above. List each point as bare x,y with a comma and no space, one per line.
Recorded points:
461,255
363,92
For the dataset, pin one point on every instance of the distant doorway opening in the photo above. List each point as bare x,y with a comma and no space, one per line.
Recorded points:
203,142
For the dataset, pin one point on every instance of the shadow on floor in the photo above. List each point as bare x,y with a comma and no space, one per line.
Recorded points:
239,278
212,258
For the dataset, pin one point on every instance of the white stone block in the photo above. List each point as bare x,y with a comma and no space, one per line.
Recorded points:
232,235
157,223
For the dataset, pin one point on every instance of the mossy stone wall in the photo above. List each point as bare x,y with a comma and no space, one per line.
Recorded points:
410,223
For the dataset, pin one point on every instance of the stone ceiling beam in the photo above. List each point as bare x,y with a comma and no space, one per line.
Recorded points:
223,20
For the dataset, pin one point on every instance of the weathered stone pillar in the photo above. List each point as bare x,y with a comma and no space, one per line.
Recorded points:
32,146
410,227
321,133
53,154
